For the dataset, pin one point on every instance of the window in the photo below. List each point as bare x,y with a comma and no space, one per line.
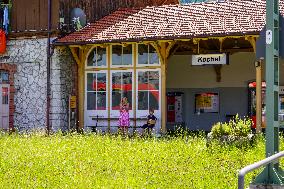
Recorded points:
148,90
147,55
121,56
97,57
5,96
121,87
96,91
4,77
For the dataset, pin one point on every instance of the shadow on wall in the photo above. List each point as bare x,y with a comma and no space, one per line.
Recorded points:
232,101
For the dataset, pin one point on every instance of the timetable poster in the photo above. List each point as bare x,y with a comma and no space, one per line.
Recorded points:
207,103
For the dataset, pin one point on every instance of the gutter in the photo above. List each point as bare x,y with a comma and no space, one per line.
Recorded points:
48,85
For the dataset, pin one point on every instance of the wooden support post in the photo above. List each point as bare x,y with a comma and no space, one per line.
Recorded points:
217,69
81,89
258,97
163,51
135,87
221,40
80,73
258,89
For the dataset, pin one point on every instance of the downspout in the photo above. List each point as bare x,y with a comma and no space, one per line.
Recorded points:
48,87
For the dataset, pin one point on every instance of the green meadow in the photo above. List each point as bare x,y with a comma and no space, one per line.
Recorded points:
91,161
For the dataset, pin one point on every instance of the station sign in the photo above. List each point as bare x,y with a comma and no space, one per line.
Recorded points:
209,59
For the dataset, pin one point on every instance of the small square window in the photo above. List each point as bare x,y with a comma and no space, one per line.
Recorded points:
122,56
147,54
4,77
98,57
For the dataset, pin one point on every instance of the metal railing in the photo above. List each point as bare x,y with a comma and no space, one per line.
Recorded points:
249,168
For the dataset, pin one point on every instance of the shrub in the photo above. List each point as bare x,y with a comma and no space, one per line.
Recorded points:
236,128
220,129
241,127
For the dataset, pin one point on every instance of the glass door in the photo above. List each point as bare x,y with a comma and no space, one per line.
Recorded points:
121,86
4,108
96,99
148,95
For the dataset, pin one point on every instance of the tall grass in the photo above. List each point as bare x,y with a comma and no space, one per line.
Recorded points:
90,161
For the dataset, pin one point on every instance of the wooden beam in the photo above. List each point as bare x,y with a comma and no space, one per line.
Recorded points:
75,55
217,69
76,46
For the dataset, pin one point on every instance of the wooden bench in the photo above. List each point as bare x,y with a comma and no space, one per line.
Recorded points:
98,118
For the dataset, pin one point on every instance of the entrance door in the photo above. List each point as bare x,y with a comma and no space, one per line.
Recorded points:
149,95
121,86
4,108
96,99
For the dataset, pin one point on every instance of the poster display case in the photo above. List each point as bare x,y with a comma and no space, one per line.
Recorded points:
207,103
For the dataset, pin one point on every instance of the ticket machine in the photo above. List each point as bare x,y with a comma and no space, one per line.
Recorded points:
174,107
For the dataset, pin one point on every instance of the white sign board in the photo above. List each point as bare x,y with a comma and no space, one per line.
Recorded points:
209,59
268,37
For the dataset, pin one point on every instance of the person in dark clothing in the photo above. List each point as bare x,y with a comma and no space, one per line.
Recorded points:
151,121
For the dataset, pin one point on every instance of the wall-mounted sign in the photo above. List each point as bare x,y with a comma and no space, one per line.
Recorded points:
206,103
209,59
268,37
73,101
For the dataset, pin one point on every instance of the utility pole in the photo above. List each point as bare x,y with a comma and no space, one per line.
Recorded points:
272,174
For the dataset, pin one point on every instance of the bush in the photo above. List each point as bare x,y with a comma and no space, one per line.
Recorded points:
220,129
236,128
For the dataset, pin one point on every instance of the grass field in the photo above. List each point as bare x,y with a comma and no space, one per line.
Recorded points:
88,161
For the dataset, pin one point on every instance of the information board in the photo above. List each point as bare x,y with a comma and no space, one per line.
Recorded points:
206,103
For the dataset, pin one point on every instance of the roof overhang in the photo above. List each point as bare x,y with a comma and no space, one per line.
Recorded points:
174,22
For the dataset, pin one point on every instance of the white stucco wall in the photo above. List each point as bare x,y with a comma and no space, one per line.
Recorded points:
233,89
241,70
181,74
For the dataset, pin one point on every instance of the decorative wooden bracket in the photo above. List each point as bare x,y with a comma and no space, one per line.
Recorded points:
169,47
174,50
80,53
75,53
217,69
252,41
157,47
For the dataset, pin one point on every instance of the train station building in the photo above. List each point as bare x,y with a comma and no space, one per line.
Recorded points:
194,64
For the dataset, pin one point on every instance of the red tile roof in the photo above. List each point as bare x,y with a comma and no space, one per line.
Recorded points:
233,17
